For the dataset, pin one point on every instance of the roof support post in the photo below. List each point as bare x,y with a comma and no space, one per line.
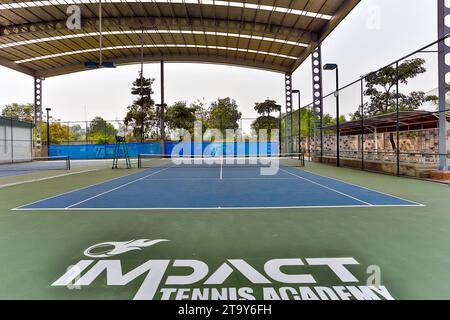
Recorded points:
444,88
163,105
317,96
38,115
289,122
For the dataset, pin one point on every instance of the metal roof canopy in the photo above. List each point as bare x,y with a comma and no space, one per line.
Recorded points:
408,121
271,35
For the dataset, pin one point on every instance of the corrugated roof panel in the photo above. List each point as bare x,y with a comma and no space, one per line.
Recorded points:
34,35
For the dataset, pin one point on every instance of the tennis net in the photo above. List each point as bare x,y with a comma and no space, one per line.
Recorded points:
160,161
37,164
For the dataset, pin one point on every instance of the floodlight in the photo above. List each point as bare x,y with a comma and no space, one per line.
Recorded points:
330,66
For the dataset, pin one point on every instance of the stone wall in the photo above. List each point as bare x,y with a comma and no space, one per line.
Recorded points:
424,141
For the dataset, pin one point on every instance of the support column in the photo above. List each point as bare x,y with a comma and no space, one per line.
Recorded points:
444,88
317,96
163,105
289,125
38,115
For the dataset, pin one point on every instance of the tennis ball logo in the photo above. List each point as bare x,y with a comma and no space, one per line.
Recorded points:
110,249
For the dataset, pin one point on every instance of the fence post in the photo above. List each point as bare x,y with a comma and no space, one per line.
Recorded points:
86,138
105,142
68,133
398,120
362,124
309,134
12,142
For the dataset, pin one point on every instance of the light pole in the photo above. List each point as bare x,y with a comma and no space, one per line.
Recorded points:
299,121
162,107
48,131
279,133
333,66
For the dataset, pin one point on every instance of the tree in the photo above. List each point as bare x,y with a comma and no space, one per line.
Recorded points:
180,116
101,131
383,99
267,107
142,109
100,125
265,120
201,111
59,133
19,111
223,115
77,133
307,121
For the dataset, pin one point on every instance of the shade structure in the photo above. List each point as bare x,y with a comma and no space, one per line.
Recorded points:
270,35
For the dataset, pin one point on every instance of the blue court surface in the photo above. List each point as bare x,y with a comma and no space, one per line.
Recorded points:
218,188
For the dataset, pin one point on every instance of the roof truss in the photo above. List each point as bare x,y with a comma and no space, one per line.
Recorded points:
271,35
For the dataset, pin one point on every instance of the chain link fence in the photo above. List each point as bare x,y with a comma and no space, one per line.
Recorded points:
389,120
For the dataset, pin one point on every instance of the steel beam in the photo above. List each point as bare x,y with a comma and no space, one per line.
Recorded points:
289,122
204,24
316,59
51,72
17,67
163,105
319,37
444,88
38,115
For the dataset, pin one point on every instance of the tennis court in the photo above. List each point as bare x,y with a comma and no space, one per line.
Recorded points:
219,184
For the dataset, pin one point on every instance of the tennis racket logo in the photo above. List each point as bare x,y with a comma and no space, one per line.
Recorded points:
110,249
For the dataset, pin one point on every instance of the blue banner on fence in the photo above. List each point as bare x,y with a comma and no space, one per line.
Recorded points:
106,151
221,148
103,151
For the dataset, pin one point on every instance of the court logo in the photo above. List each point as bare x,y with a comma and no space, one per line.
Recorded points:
110,249
168,279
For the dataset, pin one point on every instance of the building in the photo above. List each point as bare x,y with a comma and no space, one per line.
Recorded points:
15,140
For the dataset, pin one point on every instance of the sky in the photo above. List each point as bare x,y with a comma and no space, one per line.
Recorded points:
374,34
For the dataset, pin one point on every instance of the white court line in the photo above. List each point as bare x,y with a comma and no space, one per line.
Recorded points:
213,179
116,188
356,185
78,189
221,171
218,208
43,179
321,185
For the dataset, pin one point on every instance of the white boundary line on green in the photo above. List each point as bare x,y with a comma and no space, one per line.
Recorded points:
217,208
12,184
215,179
